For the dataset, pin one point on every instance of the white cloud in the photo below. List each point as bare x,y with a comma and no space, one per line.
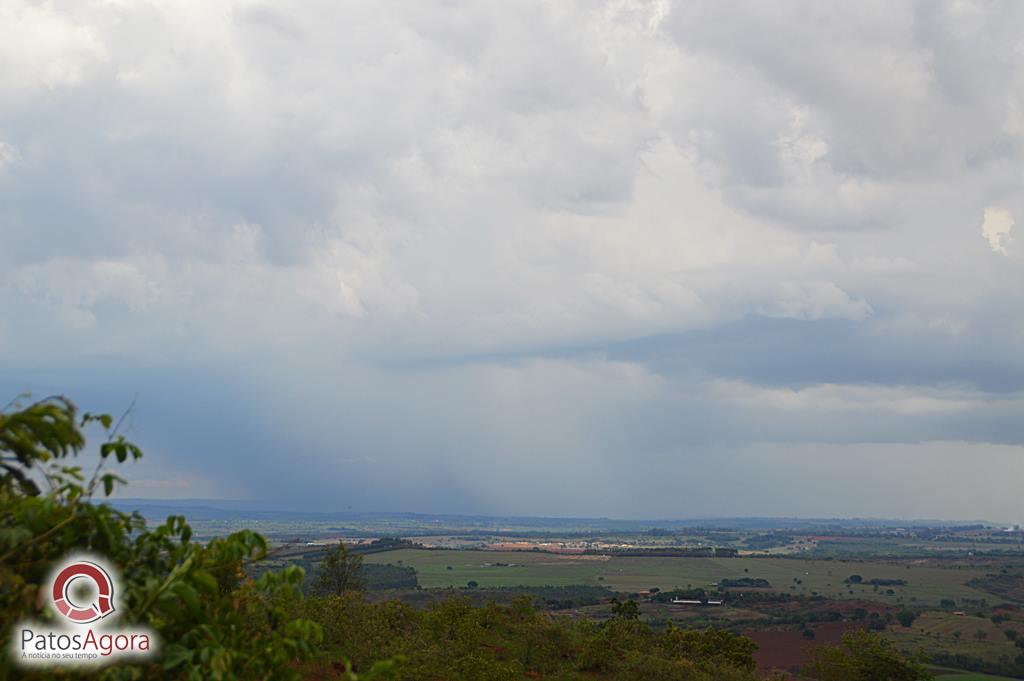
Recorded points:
9,155
848,400
995,227
810,300
640,169
43,51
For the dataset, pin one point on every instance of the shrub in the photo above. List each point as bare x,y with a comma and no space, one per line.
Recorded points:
212,619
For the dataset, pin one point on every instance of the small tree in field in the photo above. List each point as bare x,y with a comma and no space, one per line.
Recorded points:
863,656
626,611
340,571
906,617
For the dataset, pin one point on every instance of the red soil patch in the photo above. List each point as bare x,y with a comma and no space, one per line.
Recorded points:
786,649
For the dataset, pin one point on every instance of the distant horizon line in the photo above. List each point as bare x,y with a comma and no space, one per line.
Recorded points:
262,506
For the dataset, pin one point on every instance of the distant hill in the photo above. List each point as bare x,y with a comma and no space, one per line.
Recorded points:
221,509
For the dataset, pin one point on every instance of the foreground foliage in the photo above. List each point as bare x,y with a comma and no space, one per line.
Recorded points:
454,640
213,622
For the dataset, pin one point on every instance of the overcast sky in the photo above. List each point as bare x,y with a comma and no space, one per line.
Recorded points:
632,259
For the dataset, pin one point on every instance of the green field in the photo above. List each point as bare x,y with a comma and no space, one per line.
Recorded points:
943,632
527,568
926,586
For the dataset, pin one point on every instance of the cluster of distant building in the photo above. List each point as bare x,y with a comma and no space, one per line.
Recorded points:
693,601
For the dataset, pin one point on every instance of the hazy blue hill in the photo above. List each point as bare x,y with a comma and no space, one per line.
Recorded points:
216,509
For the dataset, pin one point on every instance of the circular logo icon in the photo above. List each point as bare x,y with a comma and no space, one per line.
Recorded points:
99,583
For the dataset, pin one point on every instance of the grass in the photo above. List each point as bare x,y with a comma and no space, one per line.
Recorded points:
971,676
521,569
926,586
935,632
